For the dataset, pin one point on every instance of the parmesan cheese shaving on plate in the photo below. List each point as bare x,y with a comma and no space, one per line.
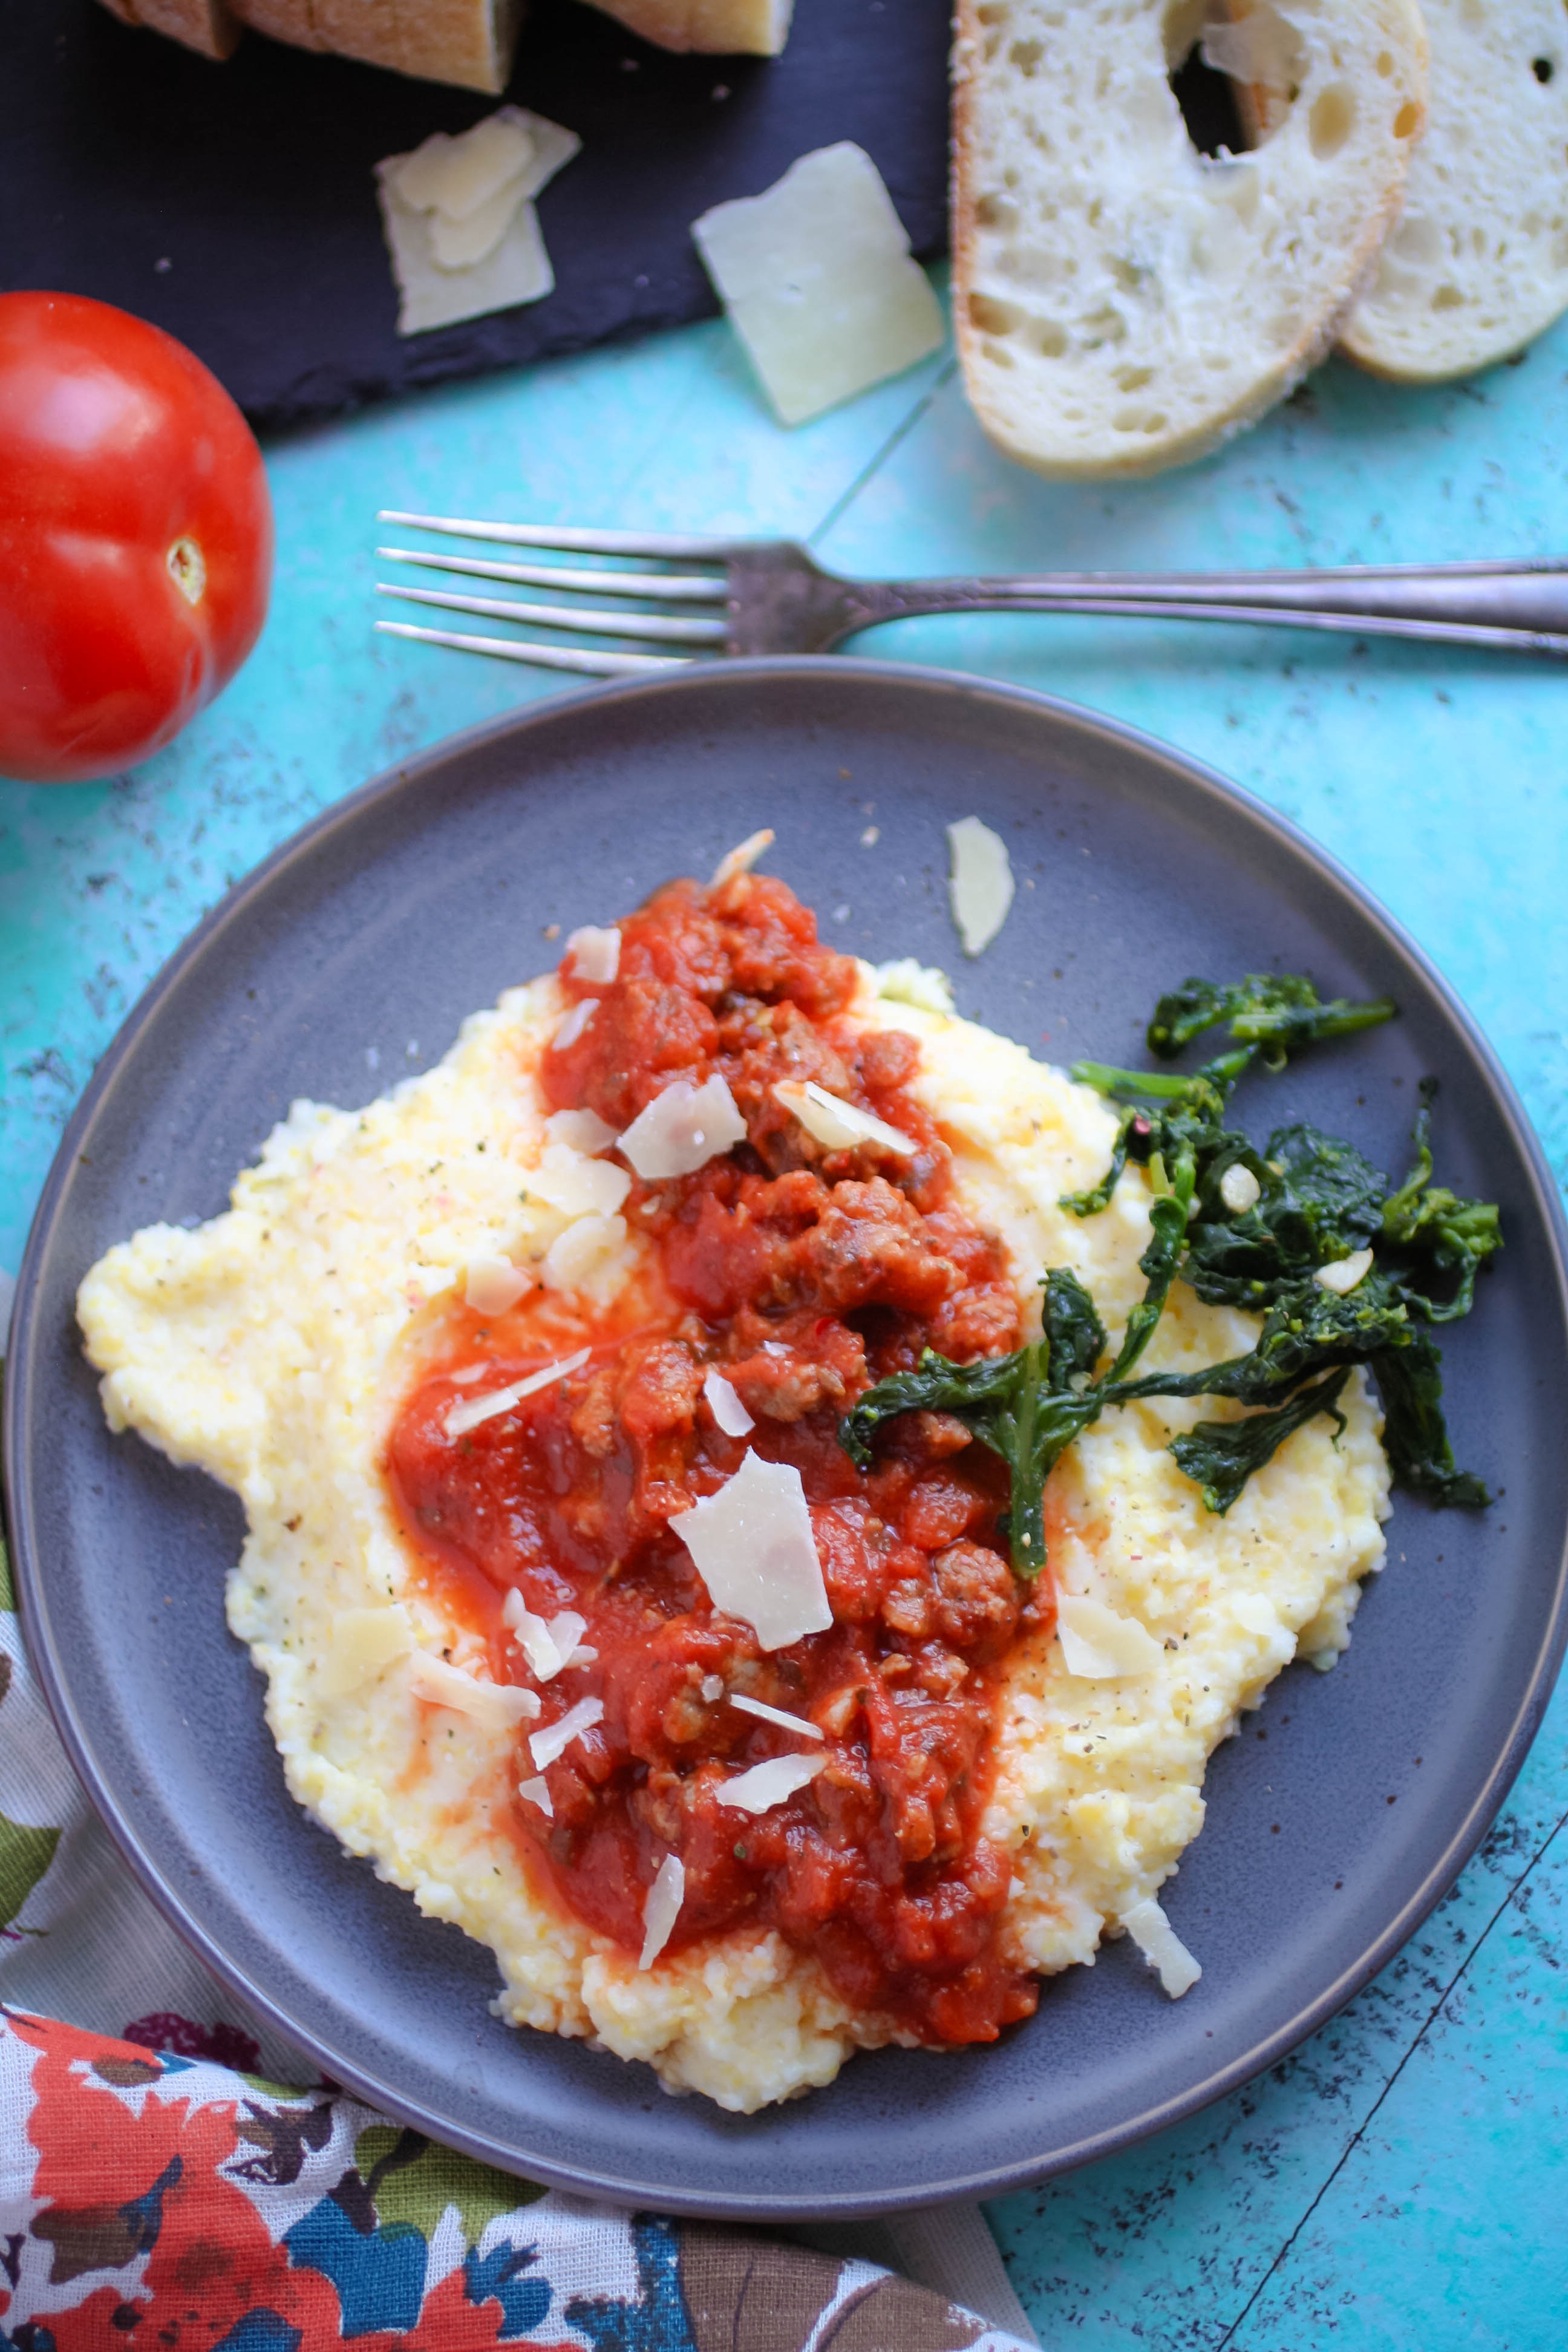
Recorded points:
572,1023
662,1909
547,1645
498,1707
537,1793
475,1410
766,1713
770,1783
980,886
756,1552
1161,1947
461,222
724,1404
682,1128
365,1644
595,954
580,1131
492,1283
836,1125
545,1746
1098,1645
743,858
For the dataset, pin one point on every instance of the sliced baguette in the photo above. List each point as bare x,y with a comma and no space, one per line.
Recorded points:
469,42
206,25
1123,303
1478,263
724,27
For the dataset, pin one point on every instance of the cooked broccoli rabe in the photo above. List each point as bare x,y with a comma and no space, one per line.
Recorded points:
1244,1228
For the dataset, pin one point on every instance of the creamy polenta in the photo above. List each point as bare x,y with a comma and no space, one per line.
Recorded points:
464,1219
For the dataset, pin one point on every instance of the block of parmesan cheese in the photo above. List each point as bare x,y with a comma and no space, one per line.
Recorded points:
819,280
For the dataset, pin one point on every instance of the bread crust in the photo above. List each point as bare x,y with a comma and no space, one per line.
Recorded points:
208,27
716,27
469,43
1271,382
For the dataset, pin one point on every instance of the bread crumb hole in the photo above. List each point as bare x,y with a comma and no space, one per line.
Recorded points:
998,354
996,211
1050,340
1026,56
994,317
1332,118
1133,379
1385,64
1542,69
1447,297
1407,121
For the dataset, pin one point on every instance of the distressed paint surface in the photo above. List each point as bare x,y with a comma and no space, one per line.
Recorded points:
1401,2180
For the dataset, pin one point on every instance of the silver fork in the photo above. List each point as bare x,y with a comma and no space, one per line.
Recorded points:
768,597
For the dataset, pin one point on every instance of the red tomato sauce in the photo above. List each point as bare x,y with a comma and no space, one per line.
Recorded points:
802,1275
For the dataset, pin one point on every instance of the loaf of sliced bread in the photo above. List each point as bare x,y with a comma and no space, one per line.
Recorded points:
724,27
1124,303
1478,263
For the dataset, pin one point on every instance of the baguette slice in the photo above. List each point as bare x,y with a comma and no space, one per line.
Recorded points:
1122,302
1478,263
206,25
724,27
468,42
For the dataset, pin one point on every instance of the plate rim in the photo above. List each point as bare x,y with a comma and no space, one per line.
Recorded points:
28,1336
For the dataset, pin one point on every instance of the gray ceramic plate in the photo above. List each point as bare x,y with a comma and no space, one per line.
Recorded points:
420,899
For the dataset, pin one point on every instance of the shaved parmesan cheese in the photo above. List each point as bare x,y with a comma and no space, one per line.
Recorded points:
545,1746
580,1131
907,982
573,1023
585,1255
766,1713
463,234
1161,1947
595,954
756,1552
475,1410
537,1793
456,244
578,1187
1239,1190
725,1406
712,1687
493,1284
682,1129
496,1707
981,884
818,280
516,269
1345,1273
458,176
742,859
838,1125
547,1646
365,1642
770,1784
1099,1645
662,1909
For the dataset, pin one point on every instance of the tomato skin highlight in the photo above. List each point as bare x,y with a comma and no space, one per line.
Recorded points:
135,538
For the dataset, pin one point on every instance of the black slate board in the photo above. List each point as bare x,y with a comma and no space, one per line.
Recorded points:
251,180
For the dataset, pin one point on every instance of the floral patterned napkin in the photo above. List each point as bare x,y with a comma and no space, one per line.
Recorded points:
159,2185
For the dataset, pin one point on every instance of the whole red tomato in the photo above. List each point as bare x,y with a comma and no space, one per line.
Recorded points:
135,538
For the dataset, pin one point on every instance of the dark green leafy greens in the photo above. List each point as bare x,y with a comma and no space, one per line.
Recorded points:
1306,1204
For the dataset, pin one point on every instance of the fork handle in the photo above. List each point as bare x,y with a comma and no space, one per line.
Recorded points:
1523,606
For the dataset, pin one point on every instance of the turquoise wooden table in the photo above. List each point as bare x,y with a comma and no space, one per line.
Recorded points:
1402,2180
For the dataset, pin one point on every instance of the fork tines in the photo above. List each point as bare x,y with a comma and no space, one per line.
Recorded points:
680,591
